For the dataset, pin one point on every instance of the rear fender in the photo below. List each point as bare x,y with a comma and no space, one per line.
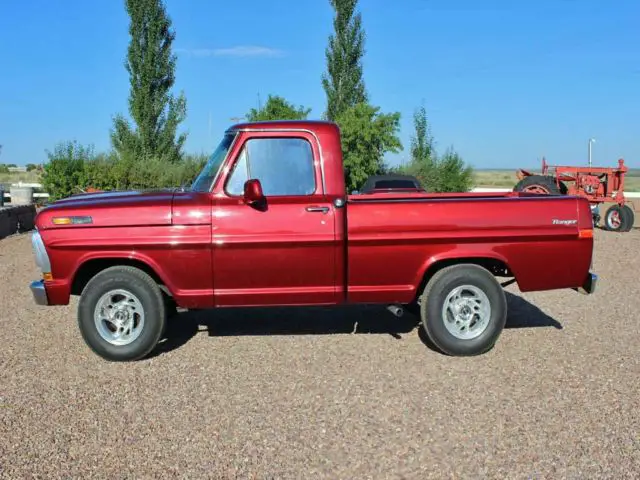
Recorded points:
435,263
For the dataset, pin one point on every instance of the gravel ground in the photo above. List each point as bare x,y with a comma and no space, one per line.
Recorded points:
293,394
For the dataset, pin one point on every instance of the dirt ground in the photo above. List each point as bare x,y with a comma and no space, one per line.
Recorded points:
292,393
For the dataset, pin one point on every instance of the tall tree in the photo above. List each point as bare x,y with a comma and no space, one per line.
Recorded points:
343,82
366,136
423,163
151,66
277,108
437,174
422,141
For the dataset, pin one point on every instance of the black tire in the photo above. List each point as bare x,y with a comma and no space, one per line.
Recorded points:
149,295
631,217
617,219
541,182
433,298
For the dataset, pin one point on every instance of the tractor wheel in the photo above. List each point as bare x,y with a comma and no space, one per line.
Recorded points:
617,219
540,184
631,217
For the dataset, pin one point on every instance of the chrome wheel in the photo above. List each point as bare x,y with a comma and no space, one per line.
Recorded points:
466,312
119,317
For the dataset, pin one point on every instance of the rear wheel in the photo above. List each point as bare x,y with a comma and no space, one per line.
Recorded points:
631,217
463,310
121,314
618,219
540,184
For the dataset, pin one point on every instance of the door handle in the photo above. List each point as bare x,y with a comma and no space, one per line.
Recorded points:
317,209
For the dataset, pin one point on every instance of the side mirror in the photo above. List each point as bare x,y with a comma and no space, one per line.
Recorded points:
253,192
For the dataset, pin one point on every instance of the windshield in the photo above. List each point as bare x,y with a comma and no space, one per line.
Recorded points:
203,181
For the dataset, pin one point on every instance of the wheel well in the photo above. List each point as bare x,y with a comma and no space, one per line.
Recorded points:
497,267
91,268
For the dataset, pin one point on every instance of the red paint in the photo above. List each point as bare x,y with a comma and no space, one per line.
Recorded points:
213,249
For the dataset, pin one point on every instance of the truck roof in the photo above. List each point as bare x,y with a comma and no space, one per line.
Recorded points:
316,126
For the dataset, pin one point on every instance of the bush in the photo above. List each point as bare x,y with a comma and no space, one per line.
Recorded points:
73,168
454,175
438,174
64,172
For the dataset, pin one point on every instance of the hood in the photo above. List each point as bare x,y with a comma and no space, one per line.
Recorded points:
110,209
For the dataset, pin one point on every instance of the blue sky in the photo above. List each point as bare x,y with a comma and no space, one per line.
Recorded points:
504,82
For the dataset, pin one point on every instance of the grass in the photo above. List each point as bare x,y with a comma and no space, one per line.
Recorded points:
28,177
508,179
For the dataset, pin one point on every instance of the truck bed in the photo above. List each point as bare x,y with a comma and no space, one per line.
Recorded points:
396,238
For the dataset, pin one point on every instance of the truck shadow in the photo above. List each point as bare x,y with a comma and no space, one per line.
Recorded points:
361,319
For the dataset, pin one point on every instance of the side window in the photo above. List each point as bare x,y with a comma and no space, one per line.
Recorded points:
284,166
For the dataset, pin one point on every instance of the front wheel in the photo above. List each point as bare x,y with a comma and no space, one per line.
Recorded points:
121,314
463,310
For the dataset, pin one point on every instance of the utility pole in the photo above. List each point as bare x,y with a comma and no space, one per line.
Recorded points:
591,140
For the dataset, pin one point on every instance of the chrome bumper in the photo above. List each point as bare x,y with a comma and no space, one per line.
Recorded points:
39,293
589,285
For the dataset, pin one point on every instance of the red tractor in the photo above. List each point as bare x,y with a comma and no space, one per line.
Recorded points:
597,184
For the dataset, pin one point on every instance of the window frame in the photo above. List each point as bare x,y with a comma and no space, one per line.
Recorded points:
271,136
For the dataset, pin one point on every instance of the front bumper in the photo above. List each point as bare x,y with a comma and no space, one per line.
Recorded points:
589,285
39,293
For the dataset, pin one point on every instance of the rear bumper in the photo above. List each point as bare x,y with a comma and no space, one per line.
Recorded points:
589,285
39,293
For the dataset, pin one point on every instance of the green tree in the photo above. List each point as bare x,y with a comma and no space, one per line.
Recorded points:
64,173
31,167
422,141
343,82
277,108
423,162
454,174
151,66
367,135
437,174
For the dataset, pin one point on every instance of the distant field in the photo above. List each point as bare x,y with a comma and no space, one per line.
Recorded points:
29,177
508,179
483,178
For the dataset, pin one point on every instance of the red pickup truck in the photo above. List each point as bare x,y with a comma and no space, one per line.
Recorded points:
268,222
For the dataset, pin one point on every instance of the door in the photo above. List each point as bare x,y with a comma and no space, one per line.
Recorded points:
281,253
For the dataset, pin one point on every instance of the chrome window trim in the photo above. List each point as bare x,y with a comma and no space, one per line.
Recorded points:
285,130
226,157
313,169
40,252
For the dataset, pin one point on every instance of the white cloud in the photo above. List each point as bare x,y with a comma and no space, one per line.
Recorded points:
238,51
